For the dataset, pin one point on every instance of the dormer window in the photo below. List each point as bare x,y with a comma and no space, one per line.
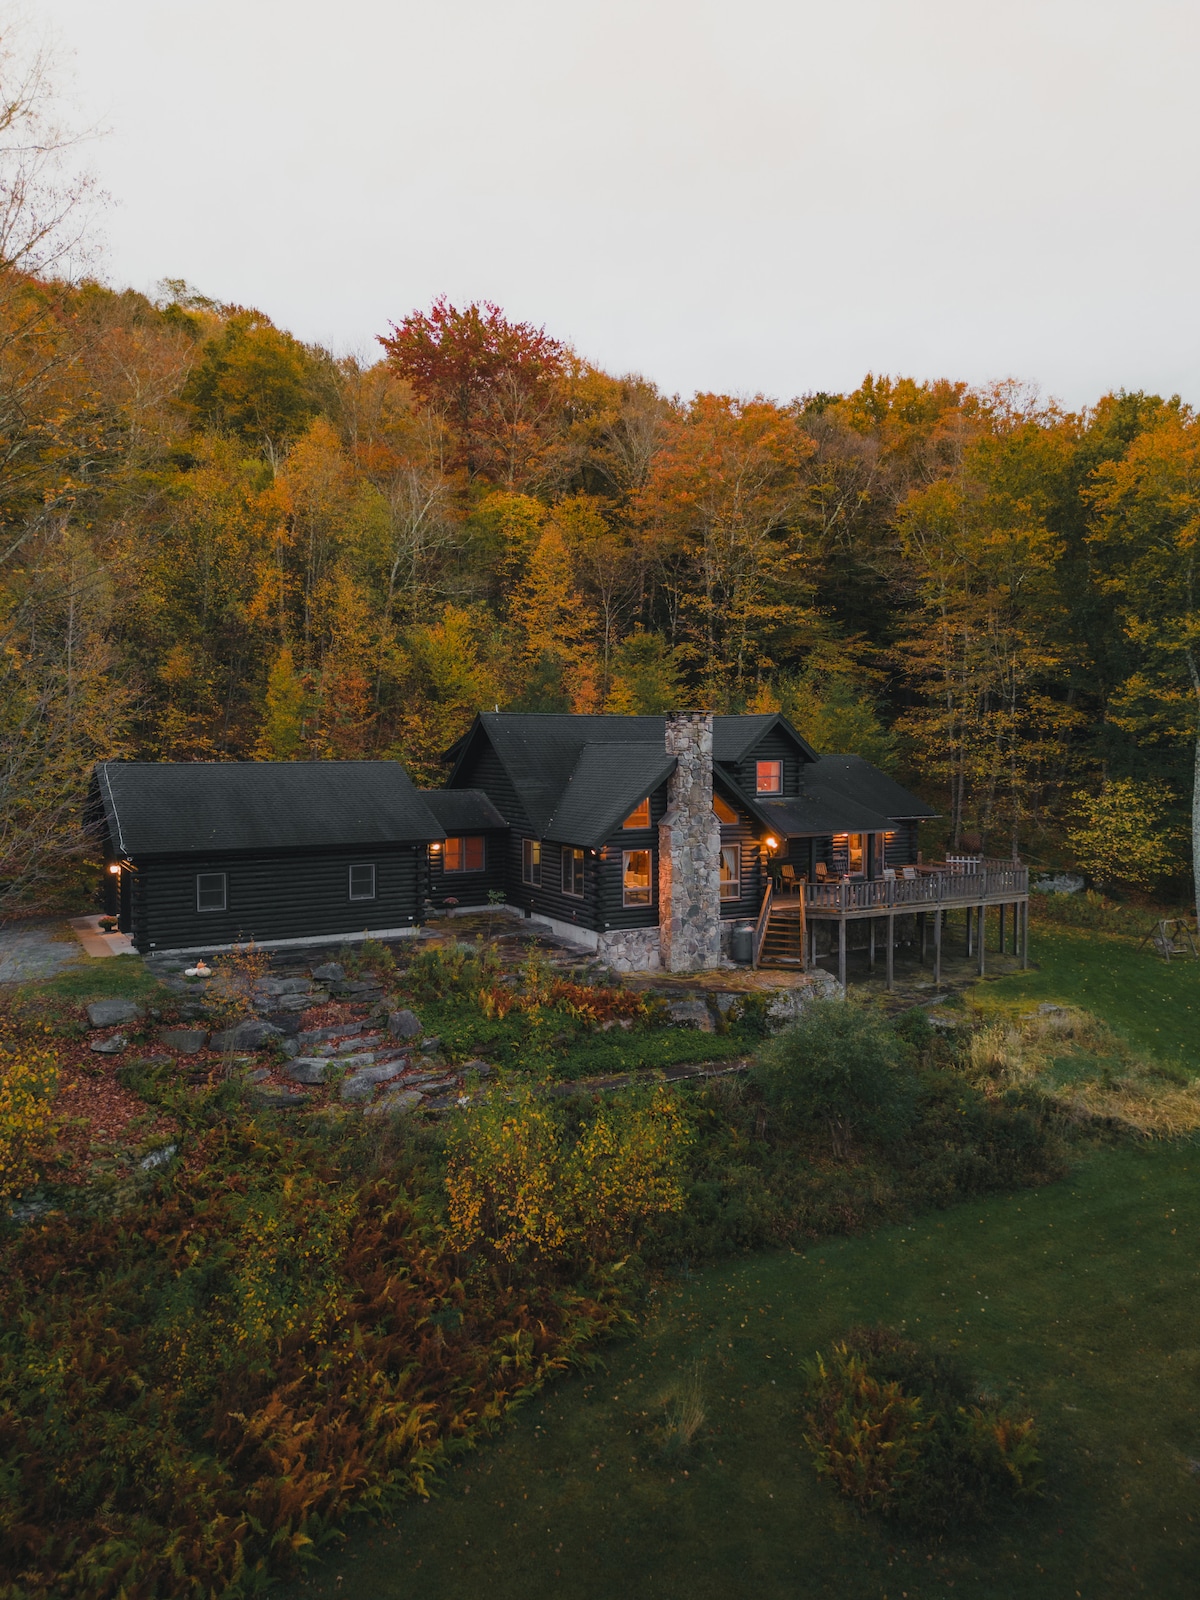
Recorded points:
639,817
768,777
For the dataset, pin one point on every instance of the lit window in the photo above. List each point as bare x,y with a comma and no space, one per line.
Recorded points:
572,872
724,811
731,872
635,878
854,852
464,855
639,817
210,891
362,880
768,777
531,862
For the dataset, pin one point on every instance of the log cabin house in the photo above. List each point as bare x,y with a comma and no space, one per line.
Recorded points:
657,842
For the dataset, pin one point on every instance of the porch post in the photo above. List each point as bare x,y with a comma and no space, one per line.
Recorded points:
842,950
981,926
923,921
871,944
970,935
937,948
891,950
1025,934
1003,909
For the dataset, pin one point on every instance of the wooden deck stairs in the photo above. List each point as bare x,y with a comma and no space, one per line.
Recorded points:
780,933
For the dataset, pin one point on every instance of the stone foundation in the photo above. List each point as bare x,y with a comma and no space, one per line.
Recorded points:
631,949
689,850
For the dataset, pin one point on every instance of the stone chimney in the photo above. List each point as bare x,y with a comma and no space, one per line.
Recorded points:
689,850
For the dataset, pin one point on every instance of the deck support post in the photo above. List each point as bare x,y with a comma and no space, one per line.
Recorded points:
891,949
1025,934
870,944
923,922
981,929
937,948
1003,909
842,951
970,934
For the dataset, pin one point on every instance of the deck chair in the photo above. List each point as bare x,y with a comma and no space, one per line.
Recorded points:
787,876
909,872
820,872
889,874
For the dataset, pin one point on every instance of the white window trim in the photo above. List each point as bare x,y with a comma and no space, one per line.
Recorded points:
625,900
224,906
569,853
357,866
731,883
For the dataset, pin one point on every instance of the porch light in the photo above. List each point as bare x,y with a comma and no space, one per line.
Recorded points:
772,844
435,848
114,866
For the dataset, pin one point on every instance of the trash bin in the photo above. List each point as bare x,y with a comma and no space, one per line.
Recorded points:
741,943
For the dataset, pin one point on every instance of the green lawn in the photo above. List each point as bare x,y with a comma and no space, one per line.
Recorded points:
1155,1004
1081,1296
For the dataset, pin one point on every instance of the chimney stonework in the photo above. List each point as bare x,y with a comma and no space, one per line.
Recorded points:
689,850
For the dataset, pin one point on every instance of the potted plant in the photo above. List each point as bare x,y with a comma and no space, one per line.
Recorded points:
108,924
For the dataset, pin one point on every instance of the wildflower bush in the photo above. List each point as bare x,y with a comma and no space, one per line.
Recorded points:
900,1430
28,1129
193,1389
525,1180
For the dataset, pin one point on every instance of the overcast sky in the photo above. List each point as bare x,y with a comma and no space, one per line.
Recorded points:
759,195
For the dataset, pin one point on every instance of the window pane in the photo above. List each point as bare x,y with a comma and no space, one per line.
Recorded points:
572,872
854,853
362,881
639,817
770,777
531,862
210,891
452,855
724,811
635,877
473,854
731,872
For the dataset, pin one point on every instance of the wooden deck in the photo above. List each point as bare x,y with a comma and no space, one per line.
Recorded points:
785,933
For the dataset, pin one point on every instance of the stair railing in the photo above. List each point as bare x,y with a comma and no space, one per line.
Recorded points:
760,927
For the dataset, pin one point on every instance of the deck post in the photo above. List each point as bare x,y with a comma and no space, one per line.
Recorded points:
1003,909
891,948
970,934
981,928
923,921
1025,934
842,951
870,944
937,948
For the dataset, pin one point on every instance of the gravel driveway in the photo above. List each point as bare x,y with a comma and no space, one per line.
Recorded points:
39,949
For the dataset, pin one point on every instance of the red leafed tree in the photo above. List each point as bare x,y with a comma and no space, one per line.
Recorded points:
494,381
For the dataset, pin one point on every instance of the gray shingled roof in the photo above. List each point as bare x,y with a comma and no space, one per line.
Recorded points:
608,781
810,814
155,808
835,779
734,736
460,810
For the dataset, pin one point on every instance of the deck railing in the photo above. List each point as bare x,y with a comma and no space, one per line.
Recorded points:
956,883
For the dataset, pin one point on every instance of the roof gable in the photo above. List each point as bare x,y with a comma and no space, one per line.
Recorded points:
734,737
155,808
609,780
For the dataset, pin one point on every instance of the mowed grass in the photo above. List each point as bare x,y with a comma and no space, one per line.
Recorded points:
1154,1003
1080,1297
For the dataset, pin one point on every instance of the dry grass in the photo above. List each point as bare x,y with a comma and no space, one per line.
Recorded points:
686,1412
1076,1059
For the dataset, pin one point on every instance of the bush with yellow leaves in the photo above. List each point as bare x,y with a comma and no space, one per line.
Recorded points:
524,1183
28,1081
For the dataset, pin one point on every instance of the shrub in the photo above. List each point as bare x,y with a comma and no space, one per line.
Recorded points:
524,1184
899,1430
28,1081
840,1067
1126,833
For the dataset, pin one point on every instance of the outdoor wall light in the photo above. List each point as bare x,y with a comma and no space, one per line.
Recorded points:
435,848
772,844
114,866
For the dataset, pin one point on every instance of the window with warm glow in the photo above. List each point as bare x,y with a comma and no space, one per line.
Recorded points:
531,862
636,889
731,872
572,873
854,852
639,817
768,778
464,855
723,811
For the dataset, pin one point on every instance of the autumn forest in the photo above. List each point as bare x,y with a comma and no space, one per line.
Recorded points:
220,543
